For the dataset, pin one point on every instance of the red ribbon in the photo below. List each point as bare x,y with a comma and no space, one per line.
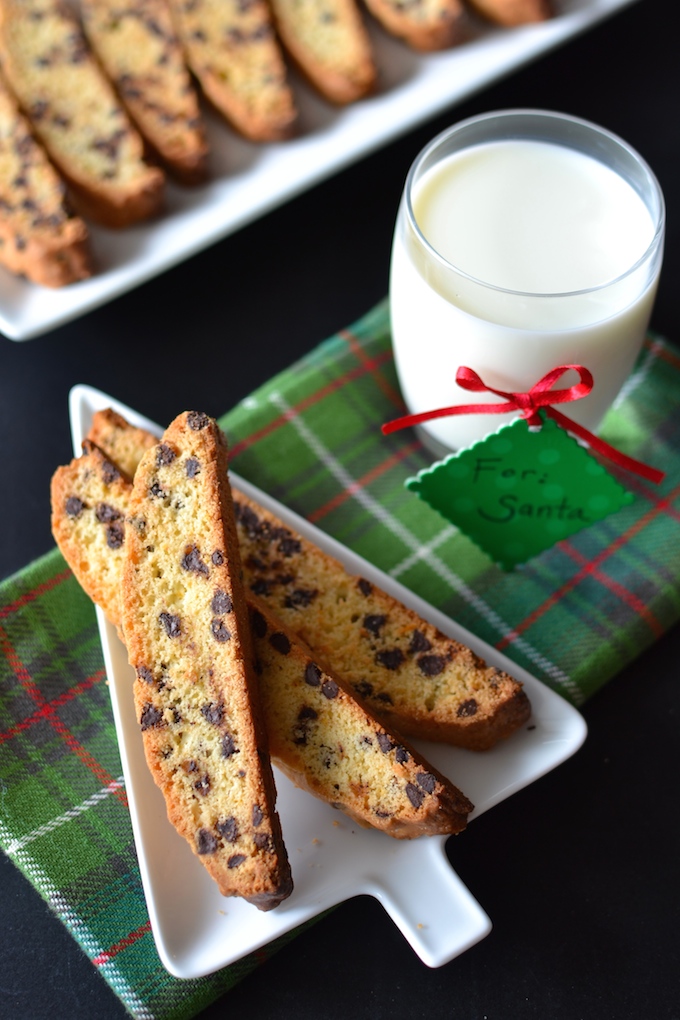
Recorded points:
540,396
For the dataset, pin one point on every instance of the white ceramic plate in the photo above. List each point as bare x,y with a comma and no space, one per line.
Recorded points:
197,930
249,180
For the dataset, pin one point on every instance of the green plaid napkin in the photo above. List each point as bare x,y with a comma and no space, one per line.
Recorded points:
573,617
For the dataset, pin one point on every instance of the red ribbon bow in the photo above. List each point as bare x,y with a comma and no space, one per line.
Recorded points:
528,404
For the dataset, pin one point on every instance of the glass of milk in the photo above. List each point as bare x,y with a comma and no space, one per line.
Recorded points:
525,239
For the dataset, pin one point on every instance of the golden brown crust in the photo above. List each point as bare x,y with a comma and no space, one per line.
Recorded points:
329,44
187,635
75,113
513,12
136,43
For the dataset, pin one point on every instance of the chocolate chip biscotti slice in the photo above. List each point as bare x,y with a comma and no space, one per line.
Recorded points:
39,237
328,41
232,50
89,499
136,43
330,744
423,24
412,676
188,639
75,113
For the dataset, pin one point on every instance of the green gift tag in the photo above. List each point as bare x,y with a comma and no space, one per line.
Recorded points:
520,490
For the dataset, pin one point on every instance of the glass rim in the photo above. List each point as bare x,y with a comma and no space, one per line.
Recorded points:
546,115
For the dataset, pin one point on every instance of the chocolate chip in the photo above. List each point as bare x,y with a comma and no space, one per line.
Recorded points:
74,506
202,785
365,587
431,665
192,561
280,642
150,717
105,513
419,643
228,746
263,841
206,842
236,860
384,697
415,795
164,455
329,689
289,546
467,708
145,674
221,603
109,472
312,674
157,490
427,781
115,536
228,829
385,741
402,755
217,558
247,518
363,688
171,624
219,631
197,420
257,815
300,597
390,658
307,712
259,624
374,623
260,586
213,712
193,467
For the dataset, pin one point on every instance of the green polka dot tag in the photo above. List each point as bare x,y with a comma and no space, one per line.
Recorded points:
520,490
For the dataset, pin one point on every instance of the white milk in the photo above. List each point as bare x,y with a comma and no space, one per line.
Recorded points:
535,222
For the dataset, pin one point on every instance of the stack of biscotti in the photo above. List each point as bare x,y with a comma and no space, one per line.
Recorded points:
75,113
414,677
39,237
320,733
136,43
188,638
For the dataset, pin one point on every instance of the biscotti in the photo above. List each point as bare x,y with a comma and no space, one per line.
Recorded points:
39,237
232,50
136,44
328,42
124,444
75,113
188,639
89,499
330,744
320,734
425,25
415,678
412,676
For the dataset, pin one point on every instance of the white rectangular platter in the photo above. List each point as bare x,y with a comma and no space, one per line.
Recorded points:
249,180
197,931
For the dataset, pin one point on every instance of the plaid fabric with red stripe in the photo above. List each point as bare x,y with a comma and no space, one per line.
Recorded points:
573,617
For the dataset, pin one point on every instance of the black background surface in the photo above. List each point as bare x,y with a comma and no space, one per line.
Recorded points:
579,872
